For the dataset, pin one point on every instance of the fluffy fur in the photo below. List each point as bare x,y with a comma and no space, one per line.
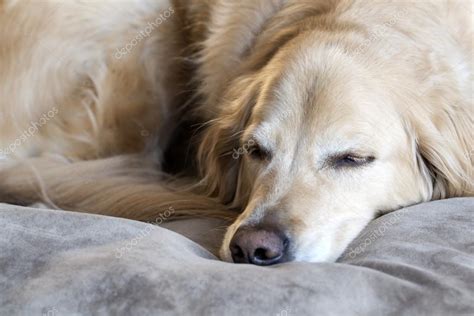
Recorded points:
296,88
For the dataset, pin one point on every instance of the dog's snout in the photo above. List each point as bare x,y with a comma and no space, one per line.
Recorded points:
259,246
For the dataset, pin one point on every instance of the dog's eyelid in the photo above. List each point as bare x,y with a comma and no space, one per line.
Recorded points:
350,159
256,150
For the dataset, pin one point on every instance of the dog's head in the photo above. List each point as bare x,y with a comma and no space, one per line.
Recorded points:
314,144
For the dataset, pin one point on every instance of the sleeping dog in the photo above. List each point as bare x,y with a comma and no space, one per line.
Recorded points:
300,119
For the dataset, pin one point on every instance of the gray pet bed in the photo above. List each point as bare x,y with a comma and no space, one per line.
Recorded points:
415,261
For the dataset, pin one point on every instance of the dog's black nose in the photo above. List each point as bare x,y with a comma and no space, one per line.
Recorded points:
258,246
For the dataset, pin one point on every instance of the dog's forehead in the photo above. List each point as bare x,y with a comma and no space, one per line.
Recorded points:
318,107
321,97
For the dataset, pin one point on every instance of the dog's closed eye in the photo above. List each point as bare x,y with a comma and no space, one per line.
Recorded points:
348,160
257,152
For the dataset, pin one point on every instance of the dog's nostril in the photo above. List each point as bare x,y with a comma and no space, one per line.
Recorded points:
265,254
260,254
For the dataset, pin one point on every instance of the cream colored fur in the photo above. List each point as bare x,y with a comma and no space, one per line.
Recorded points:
308,81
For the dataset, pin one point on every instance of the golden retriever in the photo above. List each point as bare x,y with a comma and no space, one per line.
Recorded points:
309,117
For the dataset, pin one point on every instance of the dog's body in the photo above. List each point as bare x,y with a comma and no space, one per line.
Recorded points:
316,115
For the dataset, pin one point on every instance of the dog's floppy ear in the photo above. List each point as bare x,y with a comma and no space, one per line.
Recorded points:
445,152
218,164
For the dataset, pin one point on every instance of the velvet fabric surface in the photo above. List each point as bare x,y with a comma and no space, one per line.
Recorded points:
414,261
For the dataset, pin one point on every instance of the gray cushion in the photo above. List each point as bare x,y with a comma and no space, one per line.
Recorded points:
415,261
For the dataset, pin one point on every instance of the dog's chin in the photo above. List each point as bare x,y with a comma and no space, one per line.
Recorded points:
314,256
